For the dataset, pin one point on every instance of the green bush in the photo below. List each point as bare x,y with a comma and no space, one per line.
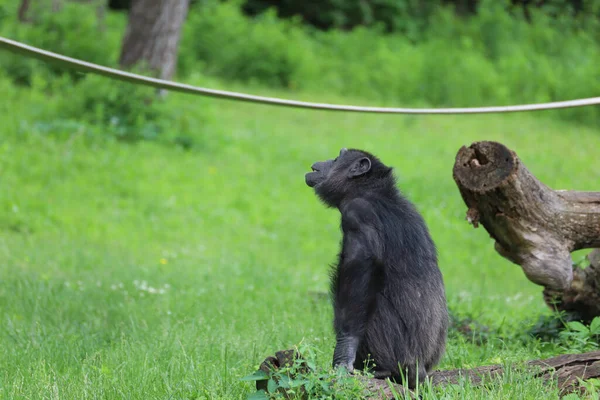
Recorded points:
3,14
265,50
409,17
73,31
103,109
493,58
126,111
131,113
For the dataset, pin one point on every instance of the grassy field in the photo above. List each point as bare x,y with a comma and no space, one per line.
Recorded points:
145,271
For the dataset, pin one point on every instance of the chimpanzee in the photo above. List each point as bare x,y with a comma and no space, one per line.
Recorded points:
388,293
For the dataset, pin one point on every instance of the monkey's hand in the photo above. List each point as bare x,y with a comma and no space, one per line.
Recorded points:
345,353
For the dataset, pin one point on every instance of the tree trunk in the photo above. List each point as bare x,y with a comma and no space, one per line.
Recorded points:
532,225
56,6
565,370
152,35
23,8
101,15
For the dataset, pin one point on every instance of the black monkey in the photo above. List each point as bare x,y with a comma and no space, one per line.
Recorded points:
388,293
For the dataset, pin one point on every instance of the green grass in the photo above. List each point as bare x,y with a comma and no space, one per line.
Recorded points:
144,271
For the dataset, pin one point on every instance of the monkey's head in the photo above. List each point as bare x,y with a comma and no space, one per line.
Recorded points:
352,174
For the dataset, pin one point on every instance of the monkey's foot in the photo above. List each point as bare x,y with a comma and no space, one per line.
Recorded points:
382,374
346,365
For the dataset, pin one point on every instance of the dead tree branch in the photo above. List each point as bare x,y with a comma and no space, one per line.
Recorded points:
532,225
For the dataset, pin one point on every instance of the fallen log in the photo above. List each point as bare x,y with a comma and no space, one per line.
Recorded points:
532,225
564,370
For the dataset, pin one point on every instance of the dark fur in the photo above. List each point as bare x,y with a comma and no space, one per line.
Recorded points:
388,293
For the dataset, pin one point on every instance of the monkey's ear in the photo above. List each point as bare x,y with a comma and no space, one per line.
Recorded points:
342,151
360,167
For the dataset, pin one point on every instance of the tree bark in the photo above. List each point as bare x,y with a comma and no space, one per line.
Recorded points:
152,35
565,370
582,298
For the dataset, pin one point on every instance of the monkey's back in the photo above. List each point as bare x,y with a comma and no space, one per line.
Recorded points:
410,320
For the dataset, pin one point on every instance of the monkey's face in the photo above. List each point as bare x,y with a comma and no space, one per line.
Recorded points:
334,180
321,170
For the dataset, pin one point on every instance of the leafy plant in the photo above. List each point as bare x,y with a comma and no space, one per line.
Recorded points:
301,379
578,337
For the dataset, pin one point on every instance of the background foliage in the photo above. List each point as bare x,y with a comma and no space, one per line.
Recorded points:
495,56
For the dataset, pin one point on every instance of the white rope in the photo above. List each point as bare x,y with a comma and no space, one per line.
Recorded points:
80,65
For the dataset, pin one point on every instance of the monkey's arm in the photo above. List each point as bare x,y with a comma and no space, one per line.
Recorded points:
356,284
